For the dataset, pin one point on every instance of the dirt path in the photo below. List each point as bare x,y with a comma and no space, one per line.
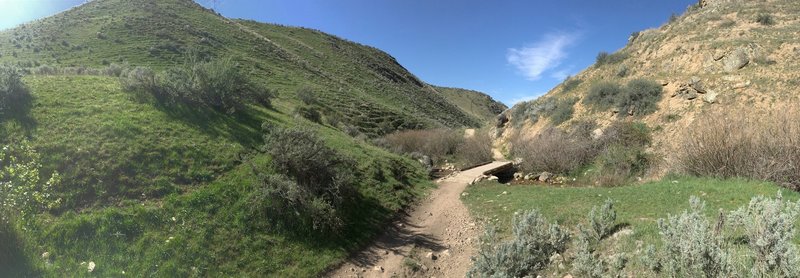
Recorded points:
437,237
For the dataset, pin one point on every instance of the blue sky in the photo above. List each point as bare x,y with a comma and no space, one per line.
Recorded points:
512,50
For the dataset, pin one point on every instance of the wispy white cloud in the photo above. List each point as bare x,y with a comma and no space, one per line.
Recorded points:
546,54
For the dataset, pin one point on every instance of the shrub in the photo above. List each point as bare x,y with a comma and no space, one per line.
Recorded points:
553,151
639,96
310,113
604,58
534,241
306,95
769,225
563,111
621,153
139,80
217,84
570,84
728,144
586,263
765,19
475,150
436,143
312,181
602,219
603,95
691,247
14,95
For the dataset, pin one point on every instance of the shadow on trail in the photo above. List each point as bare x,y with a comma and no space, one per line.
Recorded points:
401,233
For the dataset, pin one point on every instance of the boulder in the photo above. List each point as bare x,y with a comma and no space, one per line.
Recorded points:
493,178
545,176
529,177
518,176
736,60
711,97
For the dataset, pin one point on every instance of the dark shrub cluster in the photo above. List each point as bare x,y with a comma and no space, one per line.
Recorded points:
306,184
638,97
13,92
604,58
559,110
603,95
765,19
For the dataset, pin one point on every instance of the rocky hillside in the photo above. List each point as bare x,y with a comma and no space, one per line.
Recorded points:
733,56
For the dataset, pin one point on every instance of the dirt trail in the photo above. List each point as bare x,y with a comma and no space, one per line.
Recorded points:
438,236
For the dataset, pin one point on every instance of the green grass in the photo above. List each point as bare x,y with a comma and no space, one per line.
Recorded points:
638,207
129,167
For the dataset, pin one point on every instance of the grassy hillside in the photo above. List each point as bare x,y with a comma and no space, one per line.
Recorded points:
156,192
363,86
152,188
476,104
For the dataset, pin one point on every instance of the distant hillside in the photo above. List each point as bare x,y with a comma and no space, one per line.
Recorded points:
477,104
729,56
363,86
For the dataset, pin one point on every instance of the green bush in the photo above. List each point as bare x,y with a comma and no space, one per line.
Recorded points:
603,95
691,247
534,241
563,111
640,96
310,113
586,263
602,219
604,58
621,153
769,225
570,84
13,92
306,183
